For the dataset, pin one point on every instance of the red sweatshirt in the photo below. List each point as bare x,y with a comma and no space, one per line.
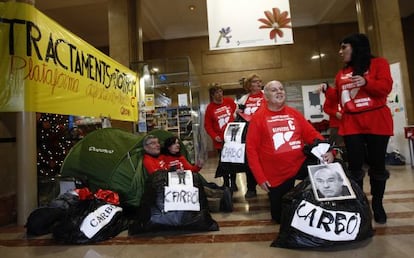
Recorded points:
369,113
331,107
180,162
275,142
153,164
252,103
216,118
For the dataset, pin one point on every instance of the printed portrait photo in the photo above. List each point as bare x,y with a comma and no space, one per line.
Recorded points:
329,182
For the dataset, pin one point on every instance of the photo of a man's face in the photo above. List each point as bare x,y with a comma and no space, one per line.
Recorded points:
329,182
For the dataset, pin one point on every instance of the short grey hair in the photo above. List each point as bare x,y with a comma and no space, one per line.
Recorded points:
147,138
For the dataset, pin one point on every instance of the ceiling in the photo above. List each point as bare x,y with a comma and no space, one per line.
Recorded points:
171,19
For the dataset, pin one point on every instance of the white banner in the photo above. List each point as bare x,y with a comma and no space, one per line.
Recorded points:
179,198
326,224
233,152
246,23
98,219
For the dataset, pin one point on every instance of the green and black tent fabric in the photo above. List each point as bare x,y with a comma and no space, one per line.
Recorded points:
111,159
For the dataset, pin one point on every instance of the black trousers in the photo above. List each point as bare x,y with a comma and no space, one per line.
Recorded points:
367,148
275,197
251,181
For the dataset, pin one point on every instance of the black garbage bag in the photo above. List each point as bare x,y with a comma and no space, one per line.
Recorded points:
43,219
153,217
394,158
308,223
90,221
220,196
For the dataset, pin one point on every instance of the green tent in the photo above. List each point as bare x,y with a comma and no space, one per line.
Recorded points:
111,159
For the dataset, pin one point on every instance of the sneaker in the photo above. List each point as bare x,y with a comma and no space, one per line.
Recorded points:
250,194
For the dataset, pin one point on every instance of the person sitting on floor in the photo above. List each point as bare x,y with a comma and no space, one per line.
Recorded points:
153,160
174,160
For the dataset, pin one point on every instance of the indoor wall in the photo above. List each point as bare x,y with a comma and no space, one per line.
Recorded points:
407,26
285,62
8,154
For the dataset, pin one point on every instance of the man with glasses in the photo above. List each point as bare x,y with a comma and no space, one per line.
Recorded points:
153,160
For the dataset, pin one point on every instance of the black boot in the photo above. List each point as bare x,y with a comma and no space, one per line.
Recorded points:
377,191
233,185
226,180
358,177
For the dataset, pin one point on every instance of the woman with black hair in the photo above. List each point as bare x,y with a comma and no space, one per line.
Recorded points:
174,159
362,87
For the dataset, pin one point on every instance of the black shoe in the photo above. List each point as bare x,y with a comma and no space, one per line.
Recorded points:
250,194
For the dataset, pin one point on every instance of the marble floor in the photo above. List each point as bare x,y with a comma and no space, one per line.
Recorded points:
245,232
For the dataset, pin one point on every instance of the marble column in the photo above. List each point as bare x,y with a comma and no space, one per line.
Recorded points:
381,21
125,34
27,195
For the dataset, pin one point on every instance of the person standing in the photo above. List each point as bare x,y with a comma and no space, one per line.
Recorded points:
333,109
248,104
219,112
275,146
362,87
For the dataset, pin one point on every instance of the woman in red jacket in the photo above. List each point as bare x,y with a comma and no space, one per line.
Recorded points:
362,87
173,158
218,114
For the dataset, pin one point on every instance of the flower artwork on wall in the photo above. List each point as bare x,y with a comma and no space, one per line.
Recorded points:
276,21
224,33
257,23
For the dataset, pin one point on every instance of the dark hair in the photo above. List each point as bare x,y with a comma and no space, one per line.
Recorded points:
214,88
167,143
361,53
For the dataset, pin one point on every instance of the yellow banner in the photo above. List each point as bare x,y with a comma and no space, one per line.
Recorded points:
45,68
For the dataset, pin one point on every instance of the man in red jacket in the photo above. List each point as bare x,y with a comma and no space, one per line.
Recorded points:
275,140
218,114
153,161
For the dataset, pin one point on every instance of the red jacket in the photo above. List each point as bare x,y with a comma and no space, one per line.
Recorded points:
331,107
369,113
153,164
217,117
180,162
275,142
252,103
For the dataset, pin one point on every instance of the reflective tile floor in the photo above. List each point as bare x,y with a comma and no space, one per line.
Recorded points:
246,232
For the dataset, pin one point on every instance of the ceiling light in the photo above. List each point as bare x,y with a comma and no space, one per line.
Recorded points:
191,7
317,56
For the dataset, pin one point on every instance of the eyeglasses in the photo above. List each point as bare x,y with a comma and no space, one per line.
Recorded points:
152,143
